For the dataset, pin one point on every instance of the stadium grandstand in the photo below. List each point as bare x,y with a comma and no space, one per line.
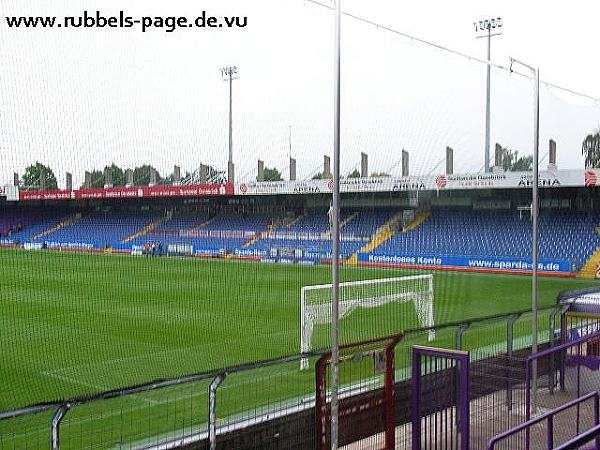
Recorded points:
494,226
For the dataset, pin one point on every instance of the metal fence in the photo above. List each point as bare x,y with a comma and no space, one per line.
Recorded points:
442,420
271,404
522,433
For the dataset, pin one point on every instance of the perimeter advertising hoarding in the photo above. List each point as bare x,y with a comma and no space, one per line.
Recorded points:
207,190
465,262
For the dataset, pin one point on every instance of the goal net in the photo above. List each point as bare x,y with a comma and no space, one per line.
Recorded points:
315,308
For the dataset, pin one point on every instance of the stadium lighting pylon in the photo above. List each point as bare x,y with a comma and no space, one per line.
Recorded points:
488,25
534,218
229,74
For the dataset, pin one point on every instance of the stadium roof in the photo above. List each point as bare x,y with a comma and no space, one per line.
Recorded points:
442,182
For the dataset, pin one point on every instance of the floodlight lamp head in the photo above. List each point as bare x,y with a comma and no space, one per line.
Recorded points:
228,72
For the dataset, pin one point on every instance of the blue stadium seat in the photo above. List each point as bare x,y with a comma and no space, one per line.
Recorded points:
564,235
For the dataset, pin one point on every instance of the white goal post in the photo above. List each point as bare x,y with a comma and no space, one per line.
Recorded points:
315,302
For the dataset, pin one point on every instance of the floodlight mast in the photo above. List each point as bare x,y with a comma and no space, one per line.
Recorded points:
489,25
534,218
229,74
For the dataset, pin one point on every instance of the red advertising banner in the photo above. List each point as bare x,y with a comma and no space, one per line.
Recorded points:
46,195
204,190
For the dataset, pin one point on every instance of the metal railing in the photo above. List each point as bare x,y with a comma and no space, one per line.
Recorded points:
583,438
549,418
551,353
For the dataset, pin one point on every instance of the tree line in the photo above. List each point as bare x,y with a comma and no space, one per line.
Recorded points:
39,176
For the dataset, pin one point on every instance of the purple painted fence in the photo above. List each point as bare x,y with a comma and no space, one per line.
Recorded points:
445,371
549,418
558,352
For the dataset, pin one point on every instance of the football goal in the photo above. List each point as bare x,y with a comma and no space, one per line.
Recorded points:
315,302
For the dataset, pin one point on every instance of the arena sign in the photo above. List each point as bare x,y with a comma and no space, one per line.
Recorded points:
499,180
205,190
11,193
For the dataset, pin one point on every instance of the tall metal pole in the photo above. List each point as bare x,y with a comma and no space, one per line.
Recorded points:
487,101
534,226
534,240
335,236
228,74
231,116
489,24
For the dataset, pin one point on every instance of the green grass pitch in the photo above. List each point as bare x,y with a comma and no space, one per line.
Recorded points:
74,324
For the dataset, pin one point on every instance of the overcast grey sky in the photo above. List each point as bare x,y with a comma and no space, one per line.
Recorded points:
81,99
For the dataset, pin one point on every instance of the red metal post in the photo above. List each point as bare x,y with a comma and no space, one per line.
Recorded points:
321,434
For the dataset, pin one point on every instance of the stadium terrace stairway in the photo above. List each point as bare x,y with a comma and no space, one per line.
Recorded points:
421,217
66,222
348,219
146,230
256,238
383,233
590,267
343,223
263,234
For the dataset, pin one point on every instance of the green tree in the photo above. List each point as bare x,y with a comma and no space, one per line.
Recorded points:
141,175
322,176
380,175
96,179
590,149
38,177
512,162
354,174
118,175
272,174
